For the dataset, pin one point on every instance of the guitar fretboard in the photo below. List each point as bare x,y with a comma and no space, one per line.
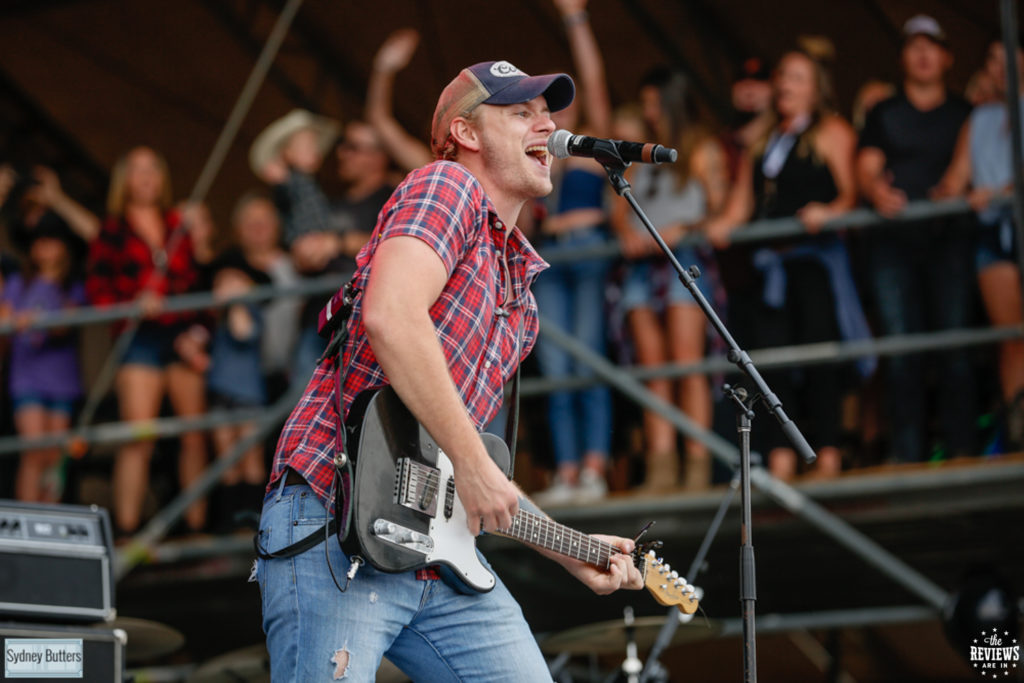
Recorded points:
532,528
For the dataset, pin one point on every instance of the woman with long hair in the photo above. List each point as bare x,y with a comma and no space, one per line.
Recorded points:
144,253
664,321
801,291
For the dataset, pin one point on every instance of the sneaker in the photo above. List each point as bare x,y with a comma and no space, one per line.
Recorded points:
592,487
559,493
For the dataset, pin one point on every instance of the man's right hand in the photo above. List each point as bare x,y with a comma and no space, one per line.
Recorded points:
886,199
490,499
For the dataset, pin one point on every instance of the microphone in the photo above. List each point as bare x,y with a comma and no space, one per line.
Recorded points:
564,144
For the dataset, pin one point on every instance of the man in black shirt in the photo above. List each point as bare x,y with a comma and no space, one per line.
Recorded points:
920,276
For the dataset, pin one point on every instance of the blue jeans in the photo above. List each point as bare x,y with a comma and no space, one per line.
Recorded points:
433,633
571,295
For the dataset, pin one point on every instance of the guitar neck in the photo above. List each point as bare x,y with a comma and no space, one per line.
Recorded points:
546,533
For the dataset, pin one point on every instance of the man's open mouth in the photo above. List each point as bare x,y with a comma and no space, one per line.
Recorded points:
540,153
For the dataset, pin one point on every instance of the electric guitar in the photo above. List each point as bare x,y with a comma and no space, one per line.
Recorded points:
407,514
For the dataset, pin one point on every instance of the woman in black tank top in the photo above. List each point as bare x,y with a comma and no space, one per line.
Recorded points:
803,168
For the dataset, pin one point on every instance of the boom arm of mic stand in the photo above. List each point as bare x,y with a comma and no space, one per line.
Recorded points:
615,169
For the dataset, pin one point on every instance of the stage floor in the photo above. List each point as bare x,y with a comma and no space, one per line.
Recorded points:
815,597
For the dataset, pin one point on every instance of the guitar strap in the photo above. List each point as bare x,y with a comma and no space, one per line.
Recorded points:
333,323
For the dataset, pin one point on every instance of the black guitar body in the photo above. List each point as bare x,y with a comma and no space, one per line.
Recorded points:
406,512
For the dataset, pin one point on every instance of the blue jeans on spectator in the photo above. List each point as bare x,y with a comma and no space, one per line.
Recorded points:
315,632
922,279
571,295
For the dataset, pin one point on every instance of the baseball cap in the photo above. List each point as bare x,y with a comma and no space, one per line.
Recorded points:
494,83
924,25
754,69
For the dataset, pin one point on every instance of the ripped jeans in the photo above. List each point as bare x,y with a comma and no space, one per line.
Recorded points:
430,631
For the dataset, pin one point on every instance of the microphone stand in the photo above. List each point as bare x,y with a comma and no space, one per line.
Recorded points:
608,156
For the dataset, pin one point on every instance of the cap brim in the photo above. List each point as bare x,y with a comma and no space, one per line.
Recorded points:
938,40
557,89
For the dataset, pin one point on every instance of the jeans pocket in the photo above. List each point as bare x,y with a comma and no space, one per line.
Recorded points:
309,510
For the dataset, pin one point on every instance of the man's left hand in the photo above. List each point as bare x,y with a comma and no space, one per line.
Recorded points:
621,573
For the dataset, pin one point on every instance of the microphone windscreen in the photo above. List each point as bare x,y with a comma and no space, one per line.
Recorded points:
558,144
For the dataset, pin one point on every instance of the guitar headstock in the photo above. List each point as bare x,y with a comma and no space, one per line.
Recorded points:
665,584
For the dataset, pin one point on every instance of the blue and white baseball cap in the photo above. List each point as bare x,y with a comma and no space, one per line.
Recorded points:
495,83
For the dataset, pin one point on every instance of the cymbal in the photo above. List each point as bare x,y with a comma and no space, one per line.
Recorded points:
146,640
610,636
252,664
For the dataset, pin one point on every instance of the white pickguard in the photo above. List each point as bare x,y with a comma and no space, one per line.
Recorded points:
454,545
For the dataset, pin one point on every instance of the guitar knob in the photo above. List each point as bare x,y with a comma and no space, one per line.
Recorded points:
674,574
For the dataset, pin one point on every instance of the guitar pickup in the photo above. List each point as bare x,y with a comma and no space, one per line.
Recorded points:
449,498
416,486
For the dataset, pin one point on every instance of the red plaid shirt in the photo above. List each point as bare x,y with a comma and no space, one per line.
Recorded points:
121,264
444,205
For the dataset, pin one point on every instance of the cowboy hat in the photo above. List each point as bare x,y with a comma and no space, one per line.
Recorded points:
268,144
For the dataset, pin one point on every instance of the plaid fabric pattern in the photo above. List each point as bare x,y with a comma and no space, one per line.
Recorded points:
121,264
446,207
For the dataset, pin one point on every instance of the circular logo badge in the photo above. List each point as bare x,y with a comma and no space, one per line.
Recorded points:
503,69
995,654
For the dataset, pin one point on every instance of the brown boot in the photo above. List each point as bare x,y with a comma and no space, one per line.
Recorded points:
662,472
698,472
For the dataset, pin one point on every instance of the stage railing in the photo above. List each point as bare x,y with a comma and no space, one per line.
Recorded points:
628,381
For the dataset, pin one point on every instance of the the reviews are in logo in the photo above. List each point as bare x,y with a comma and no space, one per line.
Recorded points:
995,654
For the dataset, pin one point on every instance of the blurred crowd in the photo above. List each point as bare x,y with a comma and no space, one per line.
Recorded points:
785,152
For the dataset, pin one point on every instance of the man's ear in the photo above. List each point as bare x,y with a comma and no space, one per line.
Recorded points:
465,134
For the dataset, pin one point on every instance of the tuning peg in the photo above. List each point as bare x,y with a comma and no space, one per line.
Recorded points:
674,574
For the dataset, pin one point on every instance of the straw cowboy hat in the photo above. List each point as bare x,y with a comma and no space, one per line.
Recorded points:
268,144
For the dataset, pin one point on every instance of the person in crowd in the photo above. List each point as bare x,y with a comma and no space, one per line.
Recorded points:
257,232
44,378
665,323
571,294
43,201
751,95
363,166
982,169
984,86
142,254
287,155
251,345
802,167
393,56
919,275
444,290
235,381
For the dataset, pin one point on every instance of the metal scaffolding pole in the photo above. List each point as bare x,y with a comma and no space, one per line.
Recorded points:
783,494
1008,15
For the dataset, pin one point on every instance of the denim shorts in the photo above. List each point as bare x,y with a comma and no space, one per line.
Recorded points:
65,406
654,283
995,243
152,345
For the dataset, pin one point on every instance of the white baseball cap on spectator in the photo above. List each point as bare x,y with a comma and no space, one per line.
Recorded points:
924,25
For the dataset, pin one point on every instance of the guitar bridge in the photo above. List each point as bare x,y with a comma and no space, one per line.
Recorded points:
416,486
402,536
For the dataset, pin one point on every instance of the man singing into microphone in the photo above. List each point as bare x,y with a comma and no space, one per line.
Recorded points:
445,297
